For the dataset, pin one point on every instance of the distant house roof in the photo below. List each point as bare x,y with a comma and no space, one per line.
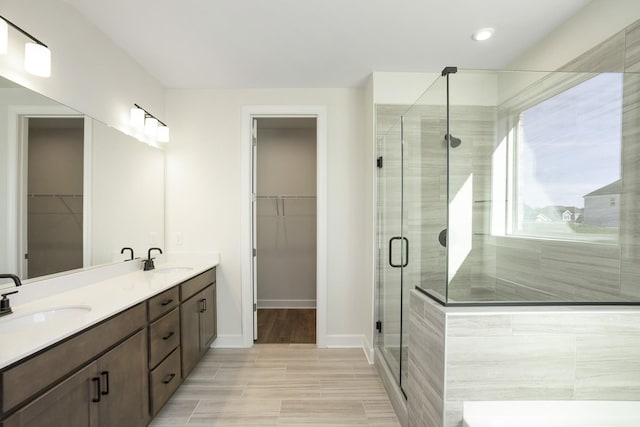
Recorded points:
613,188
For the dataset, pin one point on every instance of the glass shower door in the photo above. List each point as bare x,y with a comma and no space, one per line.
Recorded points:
390,247
393,251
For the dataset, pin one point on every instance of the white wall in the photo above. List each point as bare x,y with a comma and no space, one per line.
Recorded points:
127,195
596,22
88,72
204,185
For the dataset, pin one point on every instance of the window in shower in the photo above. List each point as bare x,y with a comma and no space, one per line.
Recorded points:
567,163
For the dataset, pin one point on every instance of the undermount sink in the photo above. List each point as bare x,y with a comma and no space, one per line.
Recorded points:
170,270
17,322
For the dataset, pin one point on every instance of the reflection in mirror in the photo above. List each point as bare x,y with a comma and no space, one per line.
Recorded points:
74,190
54,175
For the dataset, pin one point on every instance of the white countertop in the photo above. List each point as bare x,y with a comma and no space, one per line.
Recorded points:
104,297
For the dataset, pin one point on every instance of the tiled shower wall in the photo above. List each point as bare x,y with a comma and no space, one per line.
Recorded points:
542,353
531,353
507,268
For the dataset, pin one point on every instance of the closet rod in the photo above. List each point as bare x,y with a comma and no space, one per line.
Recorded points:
53,195
286,197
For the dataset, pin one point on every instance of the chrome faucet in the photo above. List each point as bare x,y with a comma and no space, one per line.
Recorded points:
5,304
148,263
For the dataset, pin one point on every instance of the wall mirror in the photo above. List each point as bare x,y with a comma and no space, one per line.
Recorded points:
74,190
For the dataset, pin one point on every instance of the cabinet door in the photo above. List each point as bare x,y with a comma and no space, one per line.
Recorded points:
71,403
124,379
207,318
190,333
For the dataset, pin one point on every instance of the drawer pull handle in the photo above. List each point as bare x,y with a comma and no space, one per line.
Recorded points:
203,305
167,302
96,381
169,335
105,374
168,378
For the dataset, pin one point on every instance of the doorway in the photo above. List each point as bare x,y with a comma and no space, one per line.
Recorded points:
53,171
284,229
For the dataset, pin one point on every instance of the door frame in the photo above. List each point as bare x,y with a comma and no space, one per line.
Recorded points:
246,220
16,178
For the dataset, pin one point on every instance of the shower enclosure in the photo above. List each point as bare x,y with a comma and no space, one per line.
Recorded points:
507,188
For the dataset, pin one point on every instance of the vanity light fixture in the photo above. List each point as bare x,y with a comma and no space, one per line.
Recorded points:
37,56
151,127
163,133
136,118
483,34
154,129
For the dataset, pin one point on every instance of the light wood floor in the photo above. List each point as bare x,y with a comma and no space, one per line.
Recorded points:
280,385
286,326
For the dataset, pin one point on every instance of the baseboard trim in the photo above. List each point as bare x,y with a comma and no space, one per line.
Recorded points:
228,341
398,401
351,341
286,303
369,351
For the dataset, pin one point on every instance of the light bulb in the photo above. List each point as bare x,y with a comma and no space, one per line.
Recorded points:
37,59
4,36
483,34
163,133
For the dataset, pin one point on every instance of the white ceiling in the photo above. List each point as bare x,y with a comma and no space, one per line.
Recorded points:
317,43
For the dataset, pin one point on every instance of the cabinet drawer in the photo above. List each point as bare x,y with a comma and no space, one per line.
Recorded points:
164,380
30,377
196,284
163,303
164,336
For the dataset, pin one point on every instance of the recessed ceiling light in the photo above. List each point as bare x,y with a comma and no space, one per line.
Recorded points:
483,34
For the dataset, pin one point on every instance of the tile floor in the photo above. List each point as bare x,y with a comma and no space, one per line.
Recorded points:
280,385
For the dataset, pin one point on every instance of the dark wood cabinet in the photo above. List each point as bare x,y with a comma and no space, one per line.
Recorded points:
164,380
208,318
124,382
111,391
119,372
190,333
198,320
70,403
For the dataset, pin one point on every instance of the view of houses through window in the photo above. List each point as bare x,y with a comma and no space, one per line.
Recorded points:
568,163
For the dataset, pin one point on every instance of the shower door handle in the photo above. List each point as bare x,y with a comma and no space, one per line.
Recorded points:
406,241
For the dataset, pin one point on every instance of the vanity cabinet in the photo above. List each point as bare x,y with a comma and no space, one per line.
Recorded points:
69,403
119,372
198,318
164,352
110,391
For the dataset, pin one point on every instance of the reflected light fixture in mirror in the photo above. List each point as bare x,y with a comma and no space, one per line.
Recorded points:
37,56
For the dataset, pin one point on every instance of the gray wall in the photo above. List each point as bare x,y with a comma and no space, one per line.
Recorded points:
286,227
462,354
509,268
55,189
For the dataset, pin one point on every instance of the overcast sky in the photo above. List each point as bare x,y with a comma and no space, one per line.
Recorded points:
571,143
